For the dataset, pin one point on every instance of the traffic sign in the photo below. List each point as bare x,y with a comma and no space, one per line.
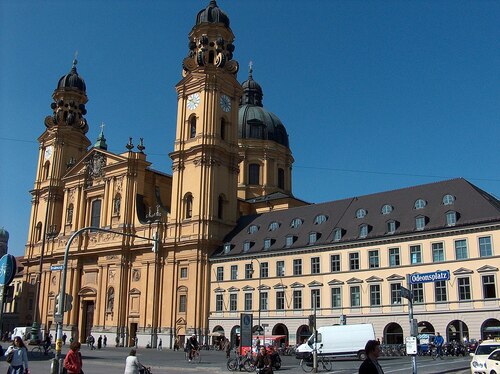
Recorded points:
8,269
56,267
435,276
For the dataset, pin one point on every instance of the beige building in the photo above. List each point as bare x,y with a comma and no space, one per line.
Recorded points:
228,207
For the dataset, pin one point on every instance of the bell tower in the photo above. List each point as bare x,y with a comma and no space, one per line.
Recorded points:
62,144
205,157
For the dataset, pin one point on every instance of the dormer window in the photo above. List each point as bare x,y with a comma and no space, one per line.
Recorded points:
419,223
363,231
267,243
391,227
289,240
313,236
296,222
386,209
451,218
320,218
246,246
420,204
448,199
337,234
360,213
273,226
227,248
253,229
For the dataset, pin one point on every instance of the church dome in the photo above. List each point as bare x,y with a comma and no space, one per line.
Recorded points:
254,121
212,14
4,234
72,80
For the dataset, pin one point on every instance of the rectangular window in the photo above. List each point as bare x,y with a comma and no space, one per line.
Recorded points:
280,268
336,297
234,272
395,293
391,227
280,300
489,287
461,249
437,252
248,271
297,266
182,303
184,273
219,302
355,292
464,293
263,301
289,240
315,269
233,302
315,299
334,263
375,298
418,293
394,258
485,246
354,261
220,273
415,254
95,216
373,260
297,299
440,289
248,301
253,174
312,237
420,223
264,270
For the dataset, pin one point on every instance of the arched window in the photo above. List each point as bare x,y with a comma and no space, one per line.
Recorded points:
253,174
117,201
222,128
69,214
189,205
95,217
296,222
46,169
420,204
220,207
360,213
386,209
273,226
281,178
110,300
448,199
192,127
38,232
320,218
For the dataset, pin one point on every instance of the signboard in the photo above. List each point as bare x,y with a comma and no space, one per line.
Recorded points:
435,276
411,345
246,323
56,267
8,269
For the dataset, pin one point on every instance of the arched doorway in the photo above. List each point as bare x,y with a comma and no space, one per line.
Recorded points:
303,333
456,331
393,334
281,329
425,327
235,336
490,329
218,337
257,330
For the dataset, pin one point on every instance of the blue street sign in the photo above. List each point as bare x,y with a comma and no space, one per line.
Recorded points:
435,276
56,267
8,269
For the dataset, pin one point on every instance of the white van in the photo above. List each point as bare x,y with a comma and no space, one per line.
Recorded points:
341,340
23,332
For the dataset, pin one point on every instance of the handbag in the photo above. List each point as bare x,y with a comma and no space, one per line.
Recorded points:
10,356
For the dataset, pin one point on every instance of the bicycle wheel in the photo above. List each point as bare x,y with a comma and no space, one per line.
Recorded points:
327,363
37,351
248,365
232,364
306,365
196,357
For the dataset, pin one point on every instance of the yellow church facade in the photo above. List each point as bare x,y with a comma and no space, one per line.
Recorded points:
230,232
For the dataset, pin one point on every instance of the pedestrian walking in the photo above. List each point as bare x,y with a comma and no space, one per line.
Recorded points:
17,357
73,362
99,342
160,345
227,348
132,364
370,365
105,341
64,337
176,344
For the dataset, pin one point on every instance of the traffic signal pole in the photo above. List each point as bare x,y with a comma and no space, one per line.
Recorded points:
56,367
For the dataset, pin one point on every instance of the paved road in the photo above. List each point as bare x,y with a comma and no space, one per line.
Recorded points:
112,361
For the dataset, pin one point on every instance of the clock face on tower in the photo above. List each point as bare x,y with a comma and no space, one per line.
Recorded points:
48,152
225,103
193,101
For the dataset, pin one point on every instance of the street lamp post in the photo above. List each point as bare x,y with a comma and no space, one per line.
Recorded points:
260,298
155,218
56,367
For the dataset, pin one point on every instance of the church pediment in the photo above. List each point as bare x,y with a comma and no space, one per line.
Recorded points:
297,285
315,284
95,164
219,290
354,280
462,271
335,282
248,288
394,277
279,286
134,291
263,287
374,279
486,268
87,291
233,289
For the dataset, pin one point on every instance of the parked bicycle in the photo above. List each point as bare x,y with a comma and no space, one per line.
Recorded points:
324,363
42,350
241,362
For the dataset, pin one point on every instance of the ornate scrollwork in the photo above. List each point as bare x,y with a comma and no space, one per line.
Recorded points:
232,66
95,166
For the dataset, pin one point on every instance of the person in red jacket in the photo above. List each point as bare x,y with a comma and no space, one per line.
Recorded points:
73,361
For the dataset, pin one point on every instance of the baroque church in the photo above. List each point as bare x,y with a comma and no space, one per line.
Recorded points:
168,255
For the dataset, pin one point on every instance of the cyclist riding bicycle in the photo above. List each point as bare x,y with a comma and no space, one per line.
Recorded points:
47,343
192,345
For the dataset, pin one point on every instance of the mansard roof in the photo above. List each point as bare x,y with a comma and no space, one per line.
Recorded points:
339,223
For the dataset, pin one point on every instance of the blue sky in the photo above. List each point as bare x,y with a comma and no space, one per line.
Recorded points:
375,95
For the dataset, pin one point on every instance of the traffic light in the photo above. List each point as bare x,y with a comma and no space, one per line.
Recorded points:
68,302
56,304
312,322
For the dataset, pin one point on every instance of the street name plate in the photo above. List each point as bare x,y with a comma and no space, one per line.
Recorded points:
435,276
